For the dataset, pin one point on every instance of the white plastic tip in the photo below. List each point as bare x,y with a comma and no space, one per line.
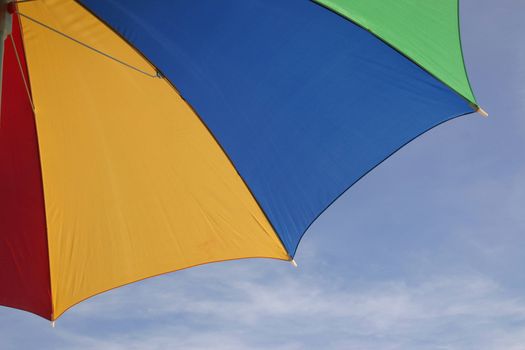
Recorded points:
294,264
482,112
53,324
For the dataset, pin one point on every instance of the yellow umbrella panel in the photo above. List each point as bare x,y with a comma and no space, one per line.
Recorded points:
134,184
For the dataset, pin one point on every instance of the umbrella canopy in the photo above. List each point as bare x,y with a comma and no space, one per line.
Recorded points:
143,137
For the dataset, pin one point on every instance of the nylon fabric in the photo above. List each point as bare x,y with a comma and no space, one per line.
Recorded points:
24,262
426,31
304,102
135,185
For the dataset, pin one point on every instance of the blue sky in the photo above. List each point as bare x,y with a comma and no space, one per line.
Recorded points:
426,252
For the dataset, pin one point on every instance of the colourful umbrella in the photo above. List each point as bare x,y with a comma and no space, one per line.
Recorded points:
143,137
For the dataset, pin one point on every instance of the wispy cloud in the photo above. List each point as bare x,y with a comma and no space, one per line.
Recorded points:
228,307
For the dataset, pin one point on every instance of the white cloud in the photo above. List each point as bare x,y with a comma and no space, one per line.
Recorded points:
228,307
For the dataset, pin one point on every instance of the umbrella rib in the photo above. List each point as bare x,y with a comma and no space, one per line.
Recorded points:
21,1
157,75
22,72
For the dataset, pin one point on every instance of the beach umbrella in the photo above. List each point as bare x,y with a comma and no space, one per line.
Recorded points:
143,137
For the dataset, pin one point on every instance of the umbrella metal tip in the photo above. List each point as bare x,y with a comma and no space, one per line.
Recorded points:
294,264
482,112
52,324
